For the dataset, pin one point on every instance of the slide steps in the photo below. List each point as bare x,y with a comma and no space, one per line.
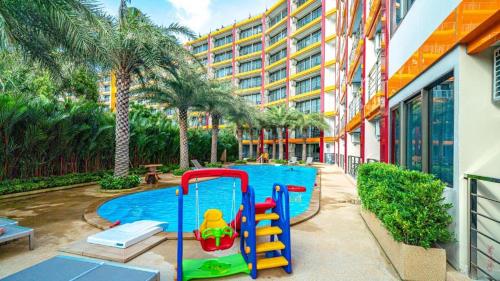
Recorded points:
265,263
268,230
269,246
270,216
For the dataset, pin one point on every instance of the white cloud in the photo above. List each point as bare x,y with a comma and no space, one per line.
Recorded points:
195,14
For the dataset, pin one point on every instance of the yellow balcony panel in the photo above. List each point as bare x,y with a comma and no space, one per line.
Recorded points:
373,105
274,103
305,95
330,63
276,64
201,54
223,47
307,26
222,30
305,72
330,89
302,7
355,61
248,142
372,19
278,24
275,45
248,73
221,63
330,139
249,56
274,7
331,12
306,49
275,83
225,78
354,122
201,39
354,9
249,38
248,90
249,20
301,140
330,114
330,38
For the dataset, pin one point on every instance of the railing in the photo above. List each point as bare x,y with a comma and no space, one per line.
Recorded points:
375,78
330,158
353,163
355,43
341,161
371,160
483,233
354,105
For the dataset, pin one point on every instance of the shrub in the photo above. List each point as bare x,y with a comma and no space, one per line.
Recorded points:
213,165
139,171
302,162
240,161
251,159
164,169
112,182
278,161
409,203
179,171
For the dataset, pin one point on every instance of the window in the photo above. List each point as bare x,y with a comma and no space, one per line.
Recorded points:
250,65
309,17
441,112
282,34
277,94
308,106
251,31
496,75
395,136
250,82
309,62
277,56
223,40
300,2
223,56
222,72
252,48
277,75
253,98
274,20
309,39
399,10
308,85
414,134
201,48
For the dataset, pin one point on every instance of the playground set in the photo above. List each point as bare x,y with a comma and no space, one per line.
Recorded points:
215,234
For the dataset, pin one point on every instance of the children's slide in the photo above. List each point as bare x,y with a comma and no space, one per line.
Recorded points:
260,208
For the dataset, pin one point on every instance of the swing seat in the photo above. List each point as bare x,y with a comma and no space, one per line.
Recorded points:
209,244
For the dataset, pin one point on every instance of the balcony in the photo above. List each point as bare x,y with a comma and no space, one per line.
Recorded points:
373,18
352,15
301,6
375,90
354,112
354,57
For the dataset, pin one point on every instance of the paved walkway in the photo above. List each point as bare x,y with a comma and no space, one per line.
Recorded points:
334,245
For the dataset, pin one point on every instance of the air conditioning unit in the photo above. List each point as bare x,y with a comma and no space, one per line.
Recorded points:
496,75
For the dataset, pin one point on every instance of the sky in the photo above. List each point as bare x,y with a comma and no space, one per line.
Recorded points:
201,16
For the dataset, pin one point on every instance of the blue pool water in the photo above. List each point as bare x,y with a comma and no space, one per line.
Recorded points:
161,204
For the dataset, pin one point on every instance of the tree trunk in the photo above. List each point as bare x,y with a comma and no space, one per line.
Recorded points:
274,142
215,137
122,126
183,137
239,136
304,145
250,147
280,142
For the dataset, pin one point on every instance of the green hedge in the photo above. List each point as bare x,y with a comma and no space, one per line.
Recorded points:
213,165
240,162
112,182
409,203
179,171
24,185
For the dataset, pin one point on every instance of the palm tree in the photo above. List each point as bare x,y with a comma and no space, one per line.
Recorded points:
239,115
182,88
305,121
133,45
281,117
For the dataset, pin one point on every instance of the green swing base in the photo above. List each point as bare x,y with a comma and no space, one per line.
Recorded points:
214,267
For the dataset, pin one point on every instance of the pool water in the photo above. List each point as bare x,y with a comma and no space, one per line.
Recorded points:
161,204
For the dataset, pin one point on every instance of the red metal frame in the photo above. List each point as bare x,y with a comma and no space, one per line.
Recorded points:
384,120
322,77
363,87
207,173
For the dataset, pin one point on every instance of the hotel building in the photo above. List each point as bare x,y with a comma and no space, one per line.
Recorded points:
410,82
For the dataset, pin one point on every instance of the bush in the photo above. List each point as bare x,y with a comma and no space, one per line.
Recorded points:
240,162
409,203
278,161
302,162
140,171
164,169
251,159
112,182
213,165
179,171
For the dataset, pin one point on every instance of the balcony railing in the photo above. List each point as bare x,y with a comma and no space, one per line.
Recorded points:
353,163
375,78
341,160
355,43
484,223
354,105
330,158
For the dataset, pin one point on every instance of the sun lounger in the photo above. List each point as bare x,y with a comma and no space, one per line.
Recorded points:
196,164
309,161
13,232
292,161
65,268
128,234
6,221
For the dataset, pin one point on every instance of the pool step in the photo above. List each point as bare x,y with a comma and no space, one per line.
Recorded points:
269,246
265,263
268,230
270,216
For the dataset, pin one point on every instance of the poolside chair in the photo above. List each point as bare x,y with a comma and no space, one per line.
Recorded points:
196,164
292,161
309,161
14,231
65,268
6,221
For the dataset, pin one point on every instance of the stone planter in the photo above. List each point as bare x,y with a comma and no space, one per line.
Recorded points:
411,262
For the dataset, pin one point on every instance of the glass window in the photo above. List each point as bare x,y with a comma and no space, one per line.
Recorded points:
300,2
277,75
223,40
307,85
222,72
274,20
252,48
201,48
414,134
399,10
309,17
441,130
253,98
309,62
250,82
277,56
251,31
277,94
308,106
309,39
250,65
395,136
280,35
223,56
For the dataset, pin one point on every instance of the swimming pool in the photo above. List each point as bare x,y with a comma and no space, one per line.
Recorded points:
161,204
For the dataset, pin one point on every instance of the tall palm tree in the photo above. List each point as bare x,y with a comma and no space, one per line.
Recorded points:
304,122
281,117
133,45
239,115
182,88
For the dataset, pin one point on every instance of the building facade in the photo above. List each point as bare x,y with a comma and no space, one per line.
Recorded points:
414,83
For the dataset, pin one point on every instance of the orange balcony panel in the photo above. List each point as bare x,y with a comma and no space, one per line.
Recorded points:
373,18
353,65
352,16
354,122
248,142
372,107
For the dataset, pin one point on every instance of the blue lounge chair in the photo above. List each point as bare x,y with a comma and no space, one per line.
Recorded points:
13,232
6,221
66,268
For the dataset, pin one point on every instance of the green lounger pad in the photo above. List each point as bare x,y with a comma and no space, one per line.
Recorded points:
214,267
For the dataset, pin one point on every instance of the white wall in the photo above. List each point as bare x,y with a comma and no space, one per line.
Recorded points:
422,19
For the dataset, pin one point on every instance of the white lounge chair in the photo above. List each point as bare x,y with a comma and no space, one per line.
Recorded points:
196,164
309,161
293,161
126,235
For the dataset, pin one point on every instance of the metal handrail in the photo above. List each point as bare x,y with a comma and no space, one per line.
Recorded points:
375,78
474,232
